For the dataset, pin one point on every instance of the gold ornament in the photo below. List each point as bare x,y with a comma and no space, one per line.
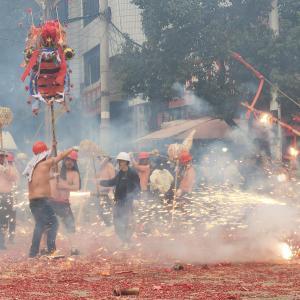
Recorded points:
6,116
69,53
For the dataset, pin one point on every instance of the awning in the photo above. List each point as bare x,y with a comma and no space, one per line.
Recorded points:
206,128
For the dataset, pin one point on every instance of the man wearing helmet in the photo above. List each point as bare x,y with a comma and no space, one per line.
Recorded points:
8,177
127,187
143,169
38,176
187,174
68,181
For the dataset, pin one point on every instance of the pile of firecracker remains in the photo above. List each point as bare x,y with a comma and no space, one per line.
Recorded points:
221,243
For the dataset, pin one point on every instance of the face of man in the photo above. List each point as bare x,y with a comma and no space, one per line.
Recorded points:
69,164
123,165
2,159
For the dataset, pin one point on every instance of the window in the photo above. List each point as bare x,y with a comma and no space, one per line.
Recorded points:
61,10
92,66
90,8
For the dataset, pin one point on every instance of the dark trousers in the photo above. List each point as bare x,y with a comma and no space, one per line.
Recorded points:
64,211
45,221
123,220
7,216
104,207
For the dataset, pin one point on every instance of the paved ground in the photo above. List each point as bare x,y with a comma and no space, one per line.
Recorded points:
234,245
96,275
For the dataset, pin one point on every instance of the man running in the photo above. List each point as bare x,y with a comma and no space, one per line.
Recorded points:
38,175
127,187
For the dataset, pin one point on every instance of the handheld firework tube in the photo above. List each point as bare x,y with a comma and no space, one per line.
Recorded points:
273,119
46,54
126,292
261,78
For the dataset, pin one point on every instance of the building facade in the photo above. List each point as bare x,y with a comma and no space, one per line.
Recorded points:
85,36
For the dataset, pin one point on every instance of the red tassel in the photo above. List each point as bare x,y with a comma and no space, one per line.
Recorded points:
30,65
60,79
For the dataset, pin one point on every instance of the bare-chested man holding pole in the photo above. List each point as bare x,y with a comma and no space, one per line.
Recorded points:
38,174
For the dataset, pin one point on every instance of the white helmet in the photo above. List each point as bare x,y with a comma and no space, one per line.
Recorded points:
123,156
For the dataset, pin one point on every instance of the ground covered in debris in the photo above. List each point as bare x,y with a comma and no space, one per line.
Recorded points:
223,244
94,276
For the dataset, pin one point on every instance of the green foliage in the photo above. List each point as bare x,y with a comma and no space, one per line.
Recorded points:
191,37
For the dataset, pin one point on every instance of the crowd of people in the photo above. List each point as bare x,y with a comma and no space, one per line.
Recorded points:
51,179
148,178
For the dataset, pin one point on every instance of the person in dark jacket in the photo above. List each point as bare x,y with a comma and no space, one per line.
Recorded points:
127,188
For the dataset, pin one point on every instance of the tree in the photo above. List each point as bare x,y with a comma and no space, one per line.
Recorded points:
284,55
188,38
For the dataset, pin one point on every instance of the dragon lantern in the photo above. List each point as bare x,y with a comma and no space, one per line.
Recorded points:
46,56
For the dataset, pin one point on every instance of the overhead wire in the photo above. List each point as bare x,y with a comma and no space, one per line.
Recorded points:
282,92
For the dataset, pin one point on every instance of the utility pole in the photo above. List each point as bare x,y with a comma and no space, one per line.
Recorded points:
104,74
275,105
46,15
46,10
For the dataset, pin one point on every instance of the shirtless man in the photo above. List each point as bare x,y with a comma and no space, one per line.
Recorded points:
143,169
8,176
68,181
38,173
187,174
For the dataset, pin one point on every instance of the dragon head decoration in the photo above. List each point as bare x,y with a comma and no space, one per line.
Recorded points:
50,34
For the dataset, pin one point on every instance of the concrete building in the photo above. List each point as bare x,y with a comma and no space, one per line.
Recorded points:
85,37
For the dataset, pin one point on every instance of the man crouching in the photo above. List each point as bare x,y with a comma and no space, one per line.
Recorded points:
38,175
